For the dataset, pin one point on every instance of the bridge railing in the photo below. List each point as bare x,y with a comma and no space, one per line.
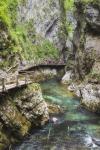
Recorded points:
15,80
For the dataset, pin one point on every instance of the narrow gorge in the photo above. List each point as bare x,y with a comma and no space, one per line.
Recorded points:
49,74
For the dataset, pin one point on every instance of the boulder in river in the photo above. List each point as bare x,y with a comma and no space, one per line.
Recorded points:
20,110
89,94
67,78
54,109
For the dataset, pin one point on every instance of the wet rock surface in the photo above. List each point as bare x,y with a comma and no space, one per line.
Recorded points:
89,94
90,97
20,110
74,129
54,108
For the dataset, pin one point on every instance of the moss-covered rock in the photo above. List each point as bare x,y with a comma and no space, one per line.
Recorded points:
20,110
32,104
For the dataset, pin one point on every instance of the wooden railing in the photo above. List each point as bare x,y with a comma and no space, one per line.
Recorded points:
19,81
21,78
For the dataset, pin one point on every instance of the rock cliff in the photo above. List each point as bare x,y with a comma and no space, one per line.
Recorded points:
45,15
30,33
86,55
37,31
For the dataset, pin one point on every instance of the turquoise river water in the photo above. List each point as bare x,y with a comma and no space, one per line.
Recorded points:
74,129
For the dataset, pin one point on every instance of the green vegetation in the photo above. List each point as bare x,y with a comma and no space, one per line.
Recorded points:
21,37
69,4
8,11
46,50
63,29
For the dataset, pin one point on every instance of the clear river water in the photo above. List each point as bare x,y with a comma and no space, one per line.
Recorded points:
74,129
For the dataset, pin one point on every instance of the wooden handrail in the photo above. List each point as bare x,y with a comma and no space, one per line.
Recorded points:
17,82
3,85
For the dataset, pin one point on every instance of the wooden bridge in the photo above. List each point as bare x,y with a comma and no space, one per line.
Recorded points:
18,82
10,81
43,66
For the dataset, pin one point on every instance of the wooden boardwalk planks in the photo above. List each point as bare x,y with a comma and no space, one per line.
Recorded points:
14,85
22,77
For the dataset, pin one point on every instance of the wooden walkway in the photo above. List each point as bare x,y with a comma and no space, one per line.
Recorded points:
21,78
18,82
13,85
56,66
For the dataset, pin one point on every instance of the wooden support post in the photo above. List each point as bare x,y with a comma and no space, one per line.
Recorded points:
3,84
65,69
17,83
25,78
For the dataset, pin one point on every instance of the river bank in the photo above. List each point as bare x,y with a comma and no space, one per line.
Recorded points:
74,128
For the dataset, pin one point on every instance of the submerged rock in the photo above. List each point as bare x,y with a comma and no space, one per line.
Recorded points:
54,109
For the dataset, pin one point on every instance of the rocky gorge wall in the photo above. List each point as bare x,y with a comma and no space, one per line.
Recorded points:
38,32
35,32
48,20
45,15
29,33
84,78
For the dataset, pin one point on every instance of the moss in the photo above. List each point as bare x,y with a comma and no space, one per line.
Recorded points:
63,29
14,124
66,28
94,74
69,4
46,50
15,120
29,88
22,36
30,50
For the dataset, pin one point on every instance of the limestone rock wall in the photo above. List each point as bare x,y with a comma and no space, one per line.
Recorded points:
45,15
86,56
